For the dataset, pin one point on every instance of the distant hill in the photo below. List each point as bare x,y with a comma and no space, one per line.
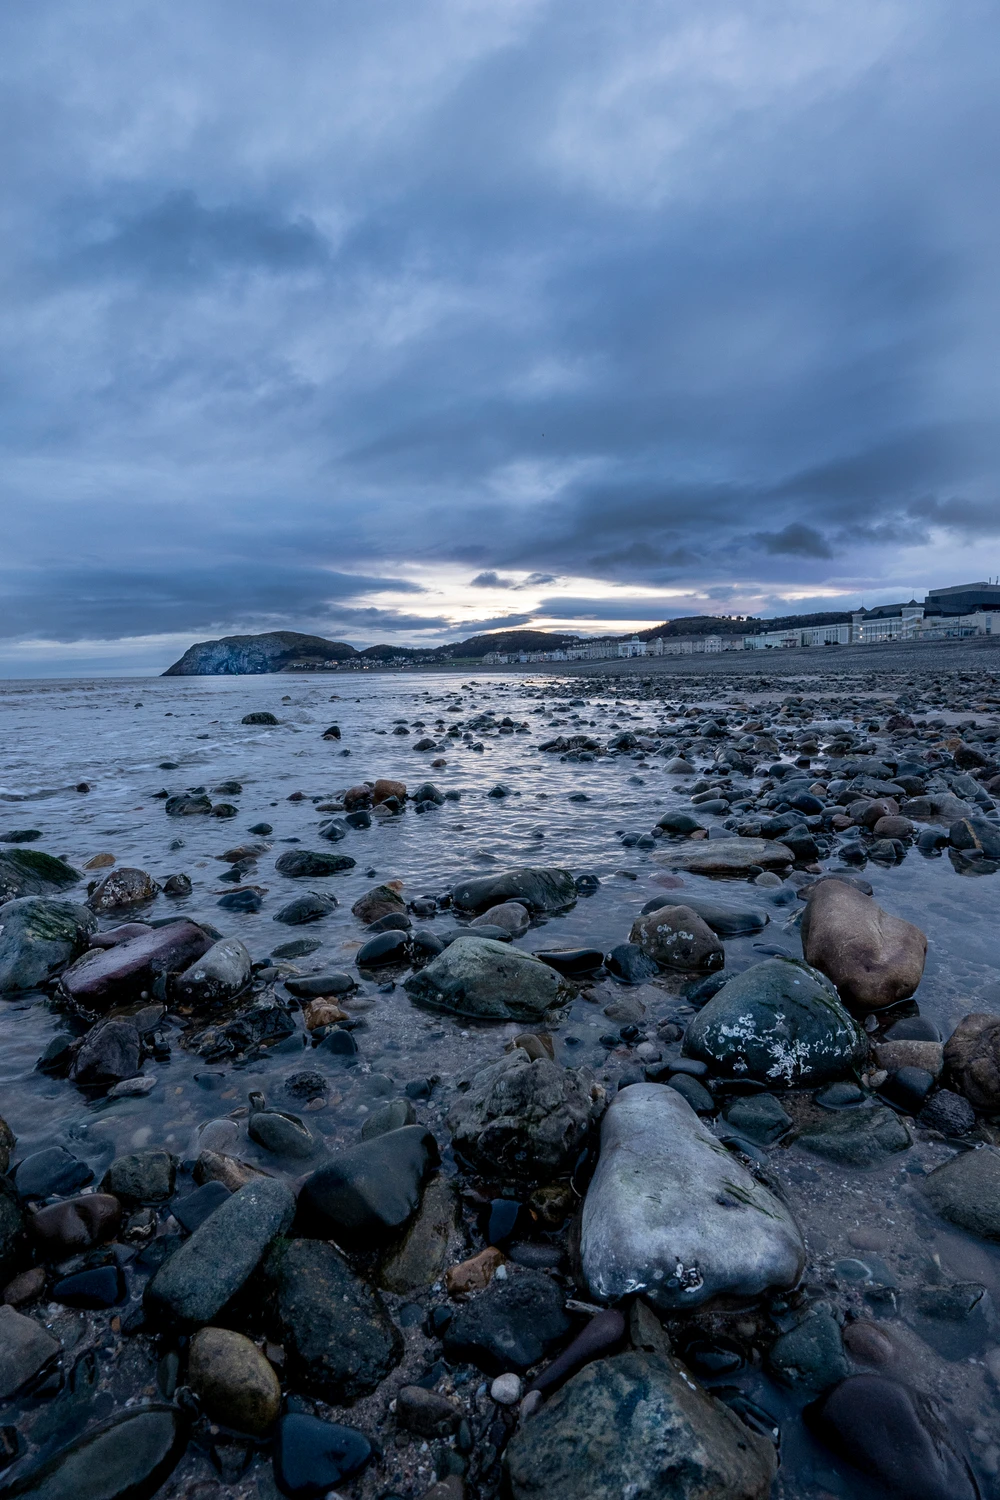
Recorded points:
276,651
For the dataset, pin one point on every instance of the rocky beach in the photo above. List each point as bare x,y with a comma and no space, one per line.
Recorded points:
579,1086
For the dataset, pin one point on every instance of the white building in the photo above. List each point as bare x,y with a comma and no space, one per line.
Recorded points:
634,647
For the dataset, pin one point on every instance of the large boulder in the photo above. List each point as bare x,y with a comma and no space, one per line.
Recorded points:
108,976
735,857
671,1214
488,981
780,1022
209,1268
221,973
972,1058
38,937
29,872
637,1425
126,1457
677,938
523,1119
369,1192
510,1325
109,1053
429,1245
338,1337
874,959
540,890
976,833
966,1191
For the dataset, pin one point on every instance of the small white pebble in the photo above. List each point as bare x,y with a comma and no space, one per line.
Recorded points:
506,1389
530,1404
500,1274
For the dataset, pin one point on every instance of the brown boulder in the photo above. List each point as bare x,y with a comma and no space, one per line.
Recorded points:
893,828
380,901
972,1057
357,797
678,938
385,788
76,1223
867,812
123,887
874,959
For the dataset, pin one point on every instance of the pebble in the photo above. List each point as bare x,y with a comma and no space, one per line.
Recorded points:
506,1389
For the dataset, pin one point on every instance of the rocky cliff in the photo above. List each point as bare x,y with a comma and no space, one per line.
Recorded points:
277,651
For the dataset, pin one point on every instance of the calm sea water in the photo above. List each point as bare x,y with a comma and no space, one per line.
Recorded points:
115,734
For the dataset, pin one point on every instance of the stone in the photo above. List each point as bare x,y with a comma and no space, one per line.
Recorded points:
874,959
222,973
540,890
29,872
671,1214
322,1013
311,1457
53,1170
261,716
309,908
25,1349
759,1117
381,901
810,1355
123,887
127,1457
104,977
99,1287
280,1133
426,1413
38,938
727,921
320,985
637,1425
511,915
234,1382
218,1166
474,1274
194,1208
141,1177
897,1436
966,1191
424,1252
385,948
369,1192
109,1052
25,1288
893,1055
210,1267
859,1137
949,1113
628,962
339,1340
300,864
506,1389
486,980
522,1119
188,805
602,1333
676,938
700,1100
76,1224
976,833
510,1325
972,1059
729,856
392,1115
12,1231
385,788
780,1022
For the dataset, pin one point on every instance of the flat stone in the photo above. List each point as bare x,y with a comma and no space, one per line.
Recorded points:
727,921
539,889
780,1022
311,1457
637,1425
127,1457
487,980
300,864
338,1337
671,1214
106,976
51,1171
209,1268
966,1191
810,1355
734,857
428,1244
369,1192
760,1118
858,1137
309,908
25,1348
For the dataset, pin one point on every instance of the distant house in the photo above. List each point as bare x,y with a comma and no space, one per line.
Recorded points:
634,647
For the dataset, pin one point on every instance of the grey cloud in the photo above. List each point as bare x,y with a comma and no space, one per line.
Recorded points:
490,580
796,540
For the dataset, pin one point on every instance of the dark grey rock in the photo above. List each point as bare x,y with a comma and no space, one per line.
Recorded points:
127,1457
188,805
486,980
508,1326
391,1116
109,1053
966,1191
949,1113
121,888
51,1171
338,1337
29,872
369,1192
759,1117
637,1425
858,1137
780,1022
302,863
38,938
209,1268
309,908
523,1119
25,1349
312,1457
220,974
811,1354
141,1177
539,889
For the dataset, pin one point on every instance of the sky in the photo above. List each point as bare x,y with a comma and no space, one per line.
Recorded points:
402,322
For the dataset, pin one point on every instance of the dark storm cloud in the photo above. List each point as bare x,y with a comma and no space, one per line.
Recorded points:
699,298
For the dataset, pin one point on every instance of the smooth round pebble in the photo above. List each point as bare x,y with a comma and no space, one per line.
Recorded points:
506,1389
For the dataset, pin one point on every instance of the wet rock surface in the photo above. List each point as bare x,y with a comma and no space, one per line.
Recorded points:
459,1247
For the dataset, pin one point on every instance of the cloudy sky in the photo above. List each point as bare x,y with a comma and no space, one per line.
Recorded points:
407,320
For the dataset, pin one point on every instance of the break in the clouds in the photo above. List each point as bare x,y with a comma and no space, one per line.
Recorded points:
402,321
